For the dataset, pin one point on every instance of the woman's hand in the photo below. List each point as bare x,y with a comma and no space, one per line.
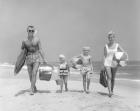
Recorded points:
45,61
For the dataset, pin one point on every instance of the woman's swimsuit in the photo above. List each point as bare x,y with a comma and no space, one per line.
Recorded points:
33,54
110,54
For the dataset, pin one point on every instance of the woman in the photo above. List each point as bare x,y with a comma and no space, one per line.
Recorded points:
34,56
110,65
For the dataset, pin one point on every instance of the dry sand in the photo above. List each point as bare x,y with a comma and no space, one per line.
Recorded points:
14,96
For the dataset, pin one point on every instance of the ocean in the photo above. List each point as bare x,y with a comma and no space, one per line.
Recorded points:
129,72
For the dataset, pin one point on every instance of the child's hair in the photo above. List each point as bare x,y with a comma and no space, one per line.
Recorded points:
87,48
62,56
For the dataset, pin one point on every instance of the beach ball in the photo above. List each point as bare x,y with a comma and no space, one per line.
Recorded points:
121,58
75,61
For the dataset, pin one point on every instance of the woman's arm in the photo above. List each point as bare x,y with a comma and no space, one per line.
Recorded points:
105,52
120,49
105,55
41,51
23,45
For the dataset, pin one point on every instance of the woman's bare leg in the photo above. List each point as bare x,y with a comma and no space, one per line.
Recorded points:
113,70
30,68
34,74
108,69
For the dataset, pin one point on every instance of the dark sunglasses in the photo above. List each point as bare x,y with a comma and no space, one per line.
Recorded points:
31,31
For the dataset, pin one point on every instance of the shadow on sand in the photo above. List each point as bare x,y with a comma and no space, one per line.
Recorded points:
103,93
21,92
43,91
79,91
106,94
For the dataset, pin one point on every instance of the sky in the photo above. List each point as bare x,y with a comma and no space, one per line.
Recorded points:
65,26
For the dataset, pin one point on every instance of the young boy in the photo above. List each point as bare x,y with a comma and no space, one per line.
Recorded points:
86,68
63,72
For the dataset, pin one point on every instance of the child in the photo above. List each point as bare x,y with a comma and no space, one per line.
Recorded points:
63,72
86,68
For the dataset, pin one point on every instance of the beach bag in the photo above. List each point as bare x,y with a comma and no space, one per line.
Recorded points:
103,78
20,61
45,72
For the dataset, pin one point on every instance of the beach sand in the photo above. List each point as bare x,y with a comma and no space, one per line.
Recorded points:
14,96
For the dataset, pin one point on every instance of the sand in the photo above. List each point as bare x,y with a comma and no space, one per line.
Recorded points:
14,96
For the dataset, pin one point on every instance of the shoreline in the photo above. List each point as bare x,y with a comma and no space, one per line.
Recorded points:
9,73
